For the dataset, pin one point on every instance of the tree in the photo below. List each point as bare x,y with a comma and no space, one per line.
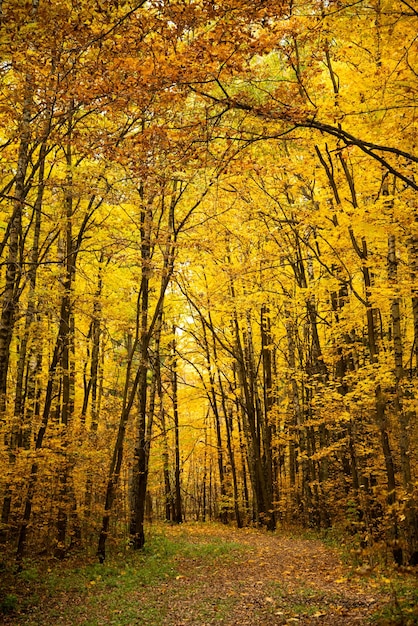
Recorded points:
246,173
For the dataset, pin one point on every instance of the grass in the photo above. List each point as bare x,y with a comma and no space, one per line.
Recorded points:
403,608
128,588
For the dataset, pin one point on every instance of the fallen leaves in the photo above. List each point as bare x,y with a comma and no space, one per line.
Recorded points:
300,582
290,581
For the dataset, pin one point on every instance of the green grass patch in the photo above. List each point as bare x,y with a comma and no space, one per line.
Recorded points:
8,604
127,589
403,606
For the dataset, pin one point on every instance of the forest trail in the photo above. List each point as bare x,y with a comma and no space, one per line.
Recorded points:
206,574
279,580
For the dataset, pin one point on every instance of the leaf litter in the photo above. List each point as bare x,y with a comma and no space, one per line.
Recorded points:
277,580
255,578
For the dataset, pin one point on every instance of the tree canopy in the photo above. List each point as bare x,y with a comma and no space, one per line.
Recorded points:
209,256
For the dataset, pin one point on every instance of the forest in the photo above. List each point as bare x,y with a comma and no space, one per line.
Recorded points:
209,270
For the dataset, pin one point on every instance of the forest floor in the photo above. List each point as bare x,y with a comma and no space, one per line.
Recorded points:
199,575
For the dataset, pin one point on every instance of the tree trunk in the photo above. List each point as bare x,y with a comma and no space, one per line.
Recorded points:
13,271
20,432
178,516
223,513
404,415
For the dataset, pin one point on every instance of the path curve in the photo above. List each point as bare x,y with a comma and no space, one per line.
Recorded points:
279,580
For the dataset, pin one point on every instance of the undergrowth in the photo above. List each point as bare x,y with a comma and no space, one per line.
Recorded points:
374,567
74,592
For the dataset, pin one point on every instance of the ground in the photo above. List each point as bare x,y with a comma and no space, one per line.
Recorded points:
197,575
280,580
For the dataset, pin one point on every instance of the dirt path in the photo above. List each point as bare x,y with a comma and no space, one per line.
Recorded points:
278,581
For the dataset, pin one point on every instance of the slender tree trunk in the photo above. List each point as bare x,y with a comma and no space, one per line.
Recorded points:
117,457
242,447
91,385
413,267
33,477
168,495
11,292
178,517
295,399
144,333
19,437
31,306
65,339
252,426
223,513
405,416
60,359
140,466
228,422
227,418
267,429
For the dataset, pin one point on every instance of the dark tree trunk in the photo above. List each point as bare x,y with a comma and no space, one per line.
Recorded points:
13,270
178,515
